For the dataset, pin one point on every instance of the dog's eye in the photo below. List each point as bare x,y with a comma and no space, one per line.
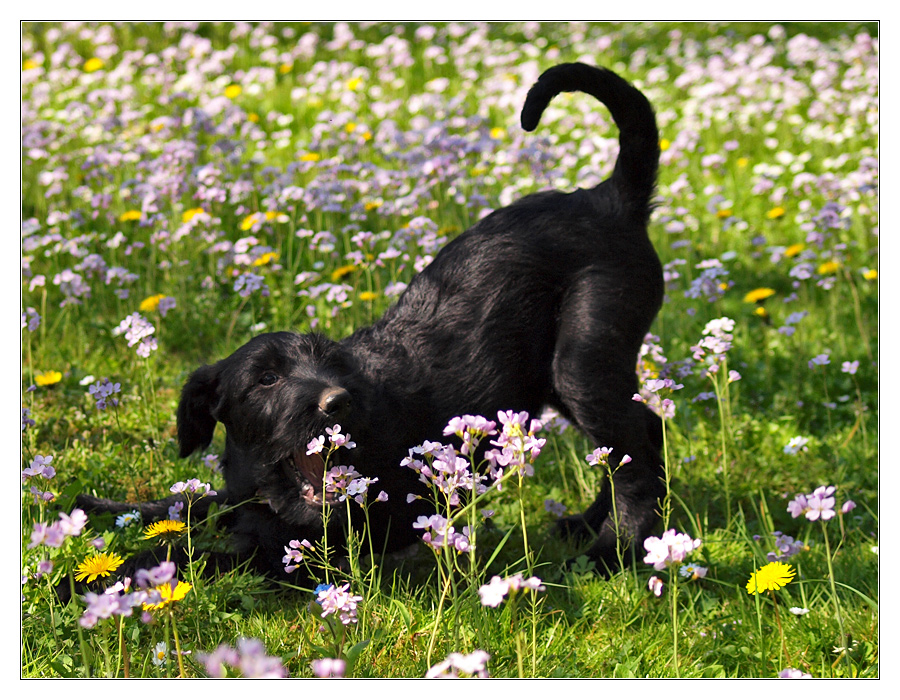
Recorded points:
268,379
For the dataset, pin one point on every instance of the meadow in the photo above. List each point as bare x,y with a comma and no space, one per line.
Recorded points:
188,186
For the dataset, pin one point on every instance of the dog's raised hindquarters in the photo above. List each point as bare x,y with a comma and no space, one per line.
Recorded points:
543,302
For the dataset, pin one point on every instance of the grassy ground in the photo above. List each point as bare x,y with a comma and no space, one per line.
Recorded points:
224,180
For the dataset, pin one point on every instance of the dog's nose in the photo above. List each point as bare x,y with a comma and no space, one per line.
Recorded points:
334,401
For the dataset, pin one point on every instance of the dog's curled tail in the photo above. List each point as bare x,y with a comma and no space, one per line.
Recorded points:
635,171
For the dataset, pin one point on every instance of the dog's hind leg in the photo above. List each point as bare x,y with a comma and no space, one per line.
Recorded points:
594,380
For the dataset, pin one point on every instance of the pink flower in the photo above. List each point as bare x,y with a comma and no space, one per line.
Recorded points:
655,584
492,593
474,664
671,548
329,668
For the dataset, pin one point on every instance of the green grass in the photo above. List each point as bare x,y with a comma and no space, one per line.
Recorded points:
754,121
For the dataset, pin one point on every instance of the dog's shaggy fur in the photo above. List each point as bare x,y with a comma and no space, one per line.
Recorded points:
543,302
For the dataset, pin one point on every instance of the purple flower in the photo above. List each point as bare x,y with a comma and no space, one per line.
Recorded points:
785,547
492,593
820,504
793,673
158,575
474,664
193,487
847,507
328,668
671,548
40,466
338,601
73,524
247,283
293,555
166,304
50,535
819,360
850,367
338,439
136,329
798,506
554,507
249,659
101,391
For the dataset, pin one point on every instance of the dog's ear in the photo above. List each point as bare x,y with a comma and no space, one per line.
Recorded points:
196,419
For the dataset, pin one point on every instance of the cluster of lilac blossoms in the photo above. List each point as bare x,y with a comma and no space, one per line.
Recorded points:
337,601
442,468
493,593
342,479
474,665
439,533
138,331
710,351
669,549
54,534
119,599
101,391
293,556
39,467
818,505
250,659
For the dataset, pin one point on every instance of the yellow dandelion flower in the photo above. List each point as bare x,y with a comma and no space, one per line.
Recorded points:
498,133
190,214
350,127
870,275
724,213
664,144
164,529
761,312
793,250
265,259
97,566
367,136
233,91
354,83
250,221
285,68
775,213
271,215
342,272
151,303
757,295
92,64
723,286
771,577
253,117
374,204
169,593
743,162
368,296
827,268
29,64
131,215
48,378
310,157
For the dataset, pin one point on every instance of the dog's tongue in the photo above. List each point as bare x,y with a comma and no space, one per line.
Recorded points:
312,467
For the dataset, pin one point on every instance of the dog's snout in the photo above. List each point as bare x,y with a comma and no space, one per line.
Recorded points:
334,401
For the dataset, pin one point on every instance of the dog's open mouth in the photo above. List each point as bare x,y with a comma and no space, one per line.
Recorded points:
311,472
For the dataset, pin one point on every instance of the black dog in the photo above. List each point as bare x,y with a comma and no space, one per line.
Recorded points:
543,302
